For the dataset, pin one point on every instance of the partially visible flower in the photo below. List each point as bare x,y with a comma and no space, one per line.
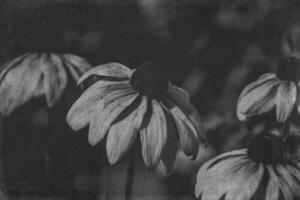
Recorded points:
34,75
129,103
243,14
291,41
272,90
260,172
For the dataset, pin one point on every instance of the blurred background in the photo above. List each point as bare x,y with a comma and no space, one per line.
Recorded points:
211,48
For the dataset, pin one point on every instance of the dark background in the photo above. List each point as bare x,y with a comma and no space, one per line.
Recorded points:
210,48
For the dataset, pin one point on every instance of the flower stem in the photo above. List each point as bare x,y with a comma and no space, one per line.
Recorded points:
130,174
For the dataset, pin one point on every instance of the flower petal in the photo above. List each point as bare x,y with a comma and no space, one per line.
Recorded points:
113,69
260,81
169,153
226,176
181,98
187,132
154,136
285,100
276,184
80,112
288,182
215,168
55,77
18,85
258,100
12,64
76,65
272,191
104,116
122,135
252,179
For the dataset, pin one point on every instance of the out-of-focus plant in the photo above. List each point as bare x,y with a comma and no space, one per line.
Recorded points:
243,15
34,75
35,89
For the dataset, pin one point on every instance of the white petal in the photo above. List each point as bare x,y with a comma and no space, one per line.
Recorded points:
276,185
122,135
295,179
258,100
285,100
187,131
18,85
227,176
12,64
170,151
215,170
55,77
261,80
76,65
288,182
104,116
247,188
80,112
116,70
181,98
154,136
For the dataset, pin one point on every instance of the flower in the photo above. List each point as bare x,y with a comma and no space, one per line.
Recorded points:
126,102
34,75
259,172
272,90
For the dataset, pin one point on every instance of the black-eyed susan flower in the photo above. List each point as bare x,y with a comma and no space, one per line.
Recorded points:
127,103
34,75
272,90
263,171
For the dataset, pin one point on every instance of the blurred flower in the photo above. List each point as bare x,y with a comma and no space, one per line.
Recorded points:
127,102
260,172
34,75
157,14
272,90
243,14
291,42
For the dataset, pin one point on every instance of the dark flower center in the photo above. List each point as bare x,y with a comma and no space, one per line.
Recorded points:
287,69
149,80
267,148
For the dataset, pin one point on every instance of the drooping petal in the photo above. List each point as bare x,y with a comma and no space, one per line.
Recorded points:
277,185
115,70
226,176
288,180
272,191
261,80
55,77
258,100
294,179
12,64
18,85
285,100
181,98
169,153
105,115
80,112
76,65
122,135
154,136
252,178
186,130
214,169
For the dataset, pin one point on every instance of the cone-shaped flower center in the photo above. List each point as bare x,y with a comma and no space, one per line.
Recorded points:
266,148
150,81
287,69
